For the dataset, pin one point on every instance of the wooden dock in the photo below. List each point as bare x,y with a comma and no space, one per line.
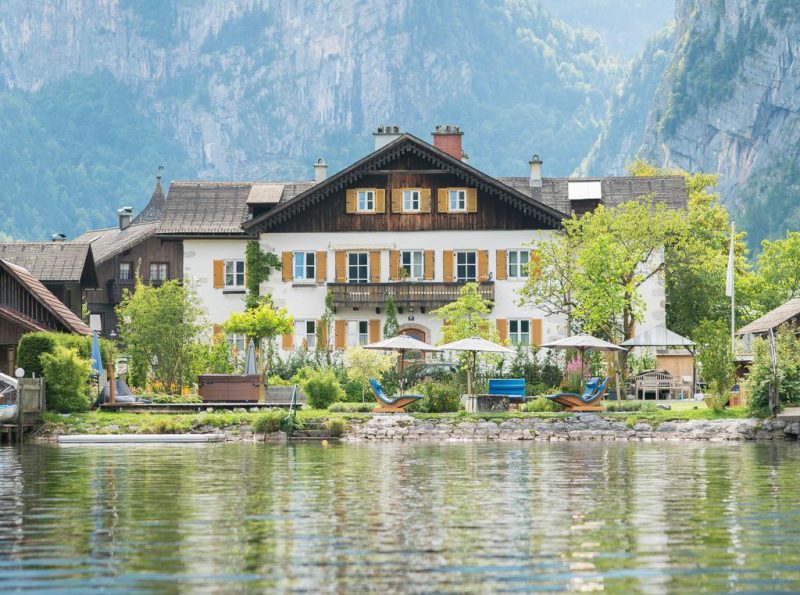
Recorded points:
187,407
789,415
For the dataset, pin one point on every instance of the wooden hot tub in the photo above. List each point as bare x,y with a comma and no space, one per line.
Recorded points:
231,388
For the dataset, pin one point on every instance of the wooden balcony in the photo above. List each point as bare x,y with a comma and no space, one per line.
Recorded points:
406,294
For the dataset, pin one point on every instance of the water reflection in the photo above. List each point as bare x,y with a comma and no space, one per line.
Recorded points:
569,516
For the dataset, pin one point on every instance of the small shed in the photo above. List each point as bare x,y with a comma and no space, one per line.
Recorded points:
675,353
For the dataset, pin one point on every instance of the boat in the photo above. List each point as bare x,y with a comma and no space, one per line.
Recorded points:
8,392
8,412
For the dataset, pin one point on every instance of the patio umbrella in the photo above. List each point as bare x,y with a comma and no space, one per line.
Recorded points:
97,360
250,360
473,346
402,344
583,343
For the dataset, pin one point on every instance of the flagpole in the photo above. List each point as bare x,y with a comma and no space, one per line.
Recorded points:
731,282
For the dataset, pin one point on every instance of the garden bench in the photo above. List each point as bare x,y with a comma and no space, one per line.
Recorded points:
513,388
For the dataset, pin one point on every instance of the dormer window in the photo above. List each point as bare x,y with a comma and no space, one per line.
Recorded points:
411,201
457,200
366,201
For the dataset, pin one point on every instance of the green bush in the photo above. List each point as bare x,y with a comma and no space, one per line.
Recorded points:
322,388
349,407
269,421
540,405
67,378
33,345
335,426
275,380
630,406
786,378
442,397
166,399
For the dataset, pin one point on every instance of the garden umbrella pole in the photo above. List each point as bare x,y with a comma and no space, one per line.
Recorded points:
473,346
583,343
402,344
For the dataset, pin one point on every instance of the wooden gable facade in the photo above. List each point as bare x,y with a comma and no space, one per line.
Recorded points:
407,164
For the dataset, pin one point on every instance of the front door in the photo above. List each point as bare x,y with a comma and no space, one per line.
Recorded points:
413,357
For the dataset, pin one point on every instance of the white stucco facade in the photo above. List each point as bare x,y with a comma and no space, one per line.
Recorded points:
198,269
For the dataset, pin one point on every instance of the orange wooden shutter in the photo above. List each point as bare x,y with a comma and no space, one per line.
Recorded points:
534,264
447,263
502,329
425,200
340,256
322,267
483,265
441,200
288,341
219,274
340,334
397,200
286,266
380,200
501,268
374,331
536,331
322,334
375,266
350,200
394,265
429,266
472,200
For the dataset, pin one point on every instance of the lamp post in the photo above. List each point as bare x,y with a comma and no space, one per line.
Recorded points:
111,380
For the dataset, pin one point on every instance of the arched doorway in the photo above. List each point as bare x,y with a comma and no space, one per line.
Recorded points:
420,333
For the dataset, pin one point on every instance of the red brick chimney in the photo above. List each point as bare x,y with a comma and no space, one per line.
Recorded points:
448,139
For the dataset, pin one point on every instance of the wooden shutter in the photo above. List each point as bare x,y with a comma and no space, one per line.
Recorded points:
397,200
286,266
322,266
340,334
472,200
501,265
441,200
502,329
534,264
375,266
217,330
322,334
380,200
219,274
341,268
374,331
394,265
288,341
350,200
536,331
483,265
425,200
429,265
447,263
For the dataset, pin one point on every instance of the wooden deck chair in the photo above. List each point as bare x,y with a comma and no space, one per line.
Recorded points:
588,401
389,405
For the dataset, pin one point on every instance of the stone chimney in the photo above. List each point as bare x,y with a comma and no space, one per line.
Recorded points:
386,134
447,138
536,171
125,215
320,170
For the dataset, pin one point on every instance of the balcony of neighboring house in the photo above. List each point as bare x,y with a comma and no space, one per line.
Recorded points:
422,295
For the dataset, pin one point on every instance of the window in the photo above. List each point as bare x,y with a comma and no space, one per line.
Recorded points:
305,334
358,267
413,262
466,268
125,271
96,322
238,343
159,271
411,202
234,273
518,261
366,201
457,200
357,332
304,266
519,332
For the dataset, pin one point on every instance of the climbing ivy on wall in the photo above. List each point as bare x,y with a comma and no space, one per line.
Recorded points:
259,266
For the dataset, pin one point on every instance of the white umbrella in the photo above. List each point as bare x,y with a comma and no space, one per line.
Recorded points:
583,343
401,344
473,345
250,359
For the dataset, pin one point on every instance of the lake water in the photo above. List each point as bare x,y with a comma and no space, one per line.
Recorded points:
657,518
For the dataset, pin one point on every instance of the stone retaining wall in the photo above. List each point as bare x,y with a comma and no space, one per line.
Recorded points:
582,427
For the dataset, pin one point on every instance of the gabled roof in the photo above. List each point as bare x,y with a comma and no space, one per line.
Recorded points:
773,319
43,295
107,243
54,261
376,159
658,336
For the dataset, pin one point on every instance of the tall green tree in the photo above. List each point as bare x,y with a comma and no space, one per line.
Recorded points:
716,360
467,316
261,324
391,327
778,271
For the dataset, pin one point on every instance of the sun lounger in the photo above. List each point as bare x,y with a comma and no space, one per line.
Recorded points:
588,401
390,405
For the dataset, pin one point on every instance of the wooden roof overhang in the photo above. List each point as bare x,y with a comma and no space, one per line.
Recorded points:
549,217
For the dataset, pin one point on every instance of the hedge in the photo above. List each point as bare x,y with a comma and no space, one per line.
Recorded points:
33,345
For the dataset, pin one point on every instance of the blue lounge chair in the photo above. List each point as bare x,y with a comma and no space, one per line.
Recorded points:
389,405
588,401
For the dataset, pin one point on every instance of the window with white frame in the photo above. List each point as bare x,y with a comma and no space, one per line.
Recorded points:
358,267
366,201
457,200
234,273
305,334
519,331
518,261
125,271
411,201
466,266
413,262
159,271
304,266
357,332
238,343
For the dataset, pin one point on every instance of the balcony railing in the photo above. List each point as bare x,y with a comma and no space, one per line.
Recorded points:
405,293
